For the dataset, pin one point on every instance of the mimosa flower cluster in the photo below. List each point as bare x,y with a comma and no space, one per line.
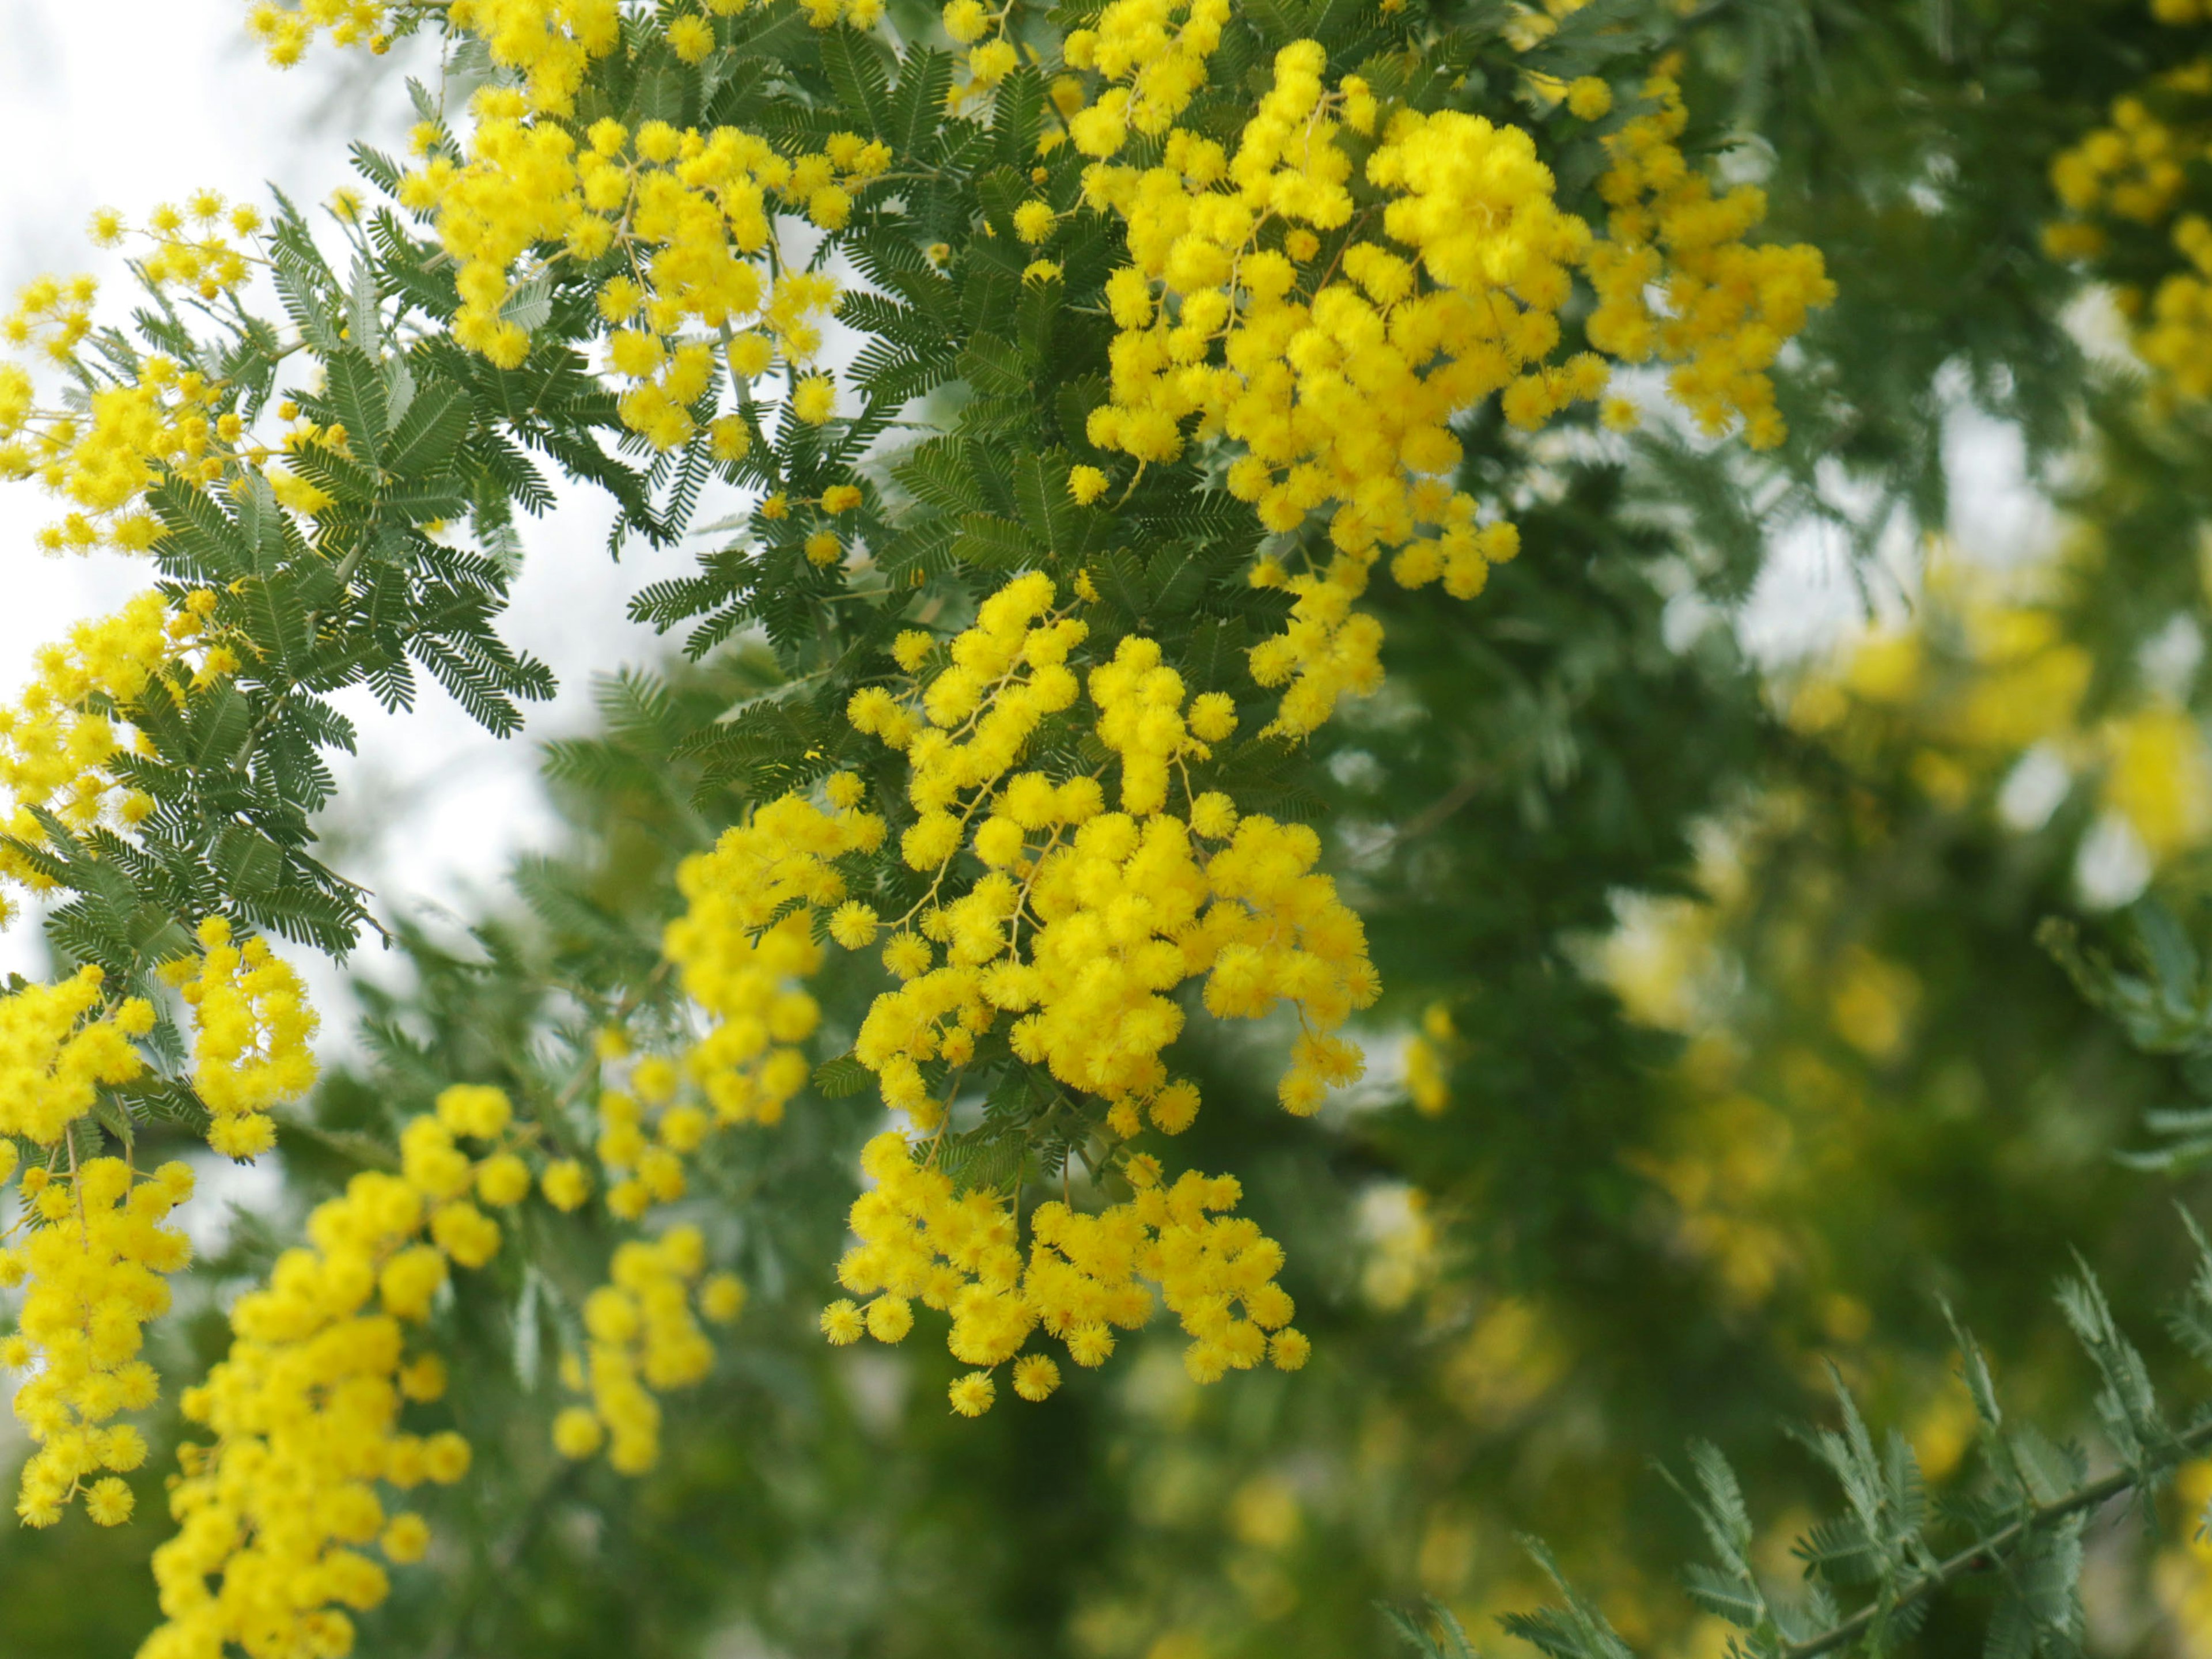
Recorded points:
2132,177
1986,676
687,213
644,1341
743,964
253,1026
95,1255
101,451
1725,307
59,1044
1430,1052
1120,907
278,1514
1086,1277
91,1272
1336,364
1065,949
690,214
59,743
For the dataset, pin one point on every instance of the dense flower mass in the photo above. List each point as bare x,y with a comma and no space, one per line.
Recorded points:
95,1255
59,1044
686,215
60,743
254,1025
1336,362
741,964
278,1512
1086,1277
1064,949
1727,308
1120,907
644,1340
2125,188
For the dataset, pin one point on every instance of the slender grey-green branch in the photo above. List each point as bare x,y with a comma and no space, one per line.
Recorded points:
1984,1553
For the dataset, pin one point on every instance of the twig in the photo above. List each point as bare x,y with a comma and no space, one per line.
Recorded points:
1984,1553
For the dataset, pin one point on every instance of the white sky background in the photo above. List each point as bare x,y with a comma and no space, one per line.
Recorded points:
128,103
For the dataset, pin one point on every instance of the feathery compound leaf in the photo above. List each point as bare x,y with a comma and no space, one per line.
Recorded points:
842,1078
428,435
1578,1631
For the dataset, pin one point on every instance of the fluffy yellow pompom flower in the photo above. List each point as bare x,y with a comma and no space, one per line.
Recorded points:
1033,221
406,1538
842,1322
972,1395
1035,1376
911,649
1589,99
577,1432
722,1298
692,39
814,399
565,1184
109,1502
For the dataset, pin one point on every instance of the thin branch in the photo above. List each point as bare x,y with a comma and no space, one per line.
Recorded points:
1984,1555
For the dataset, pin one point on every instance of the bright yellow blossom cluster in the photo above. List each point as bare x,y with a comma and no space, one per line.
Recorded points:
1153,55
1121,906
739,962
58,744
647,1168
690,211
1337,362
194,247
990,56
1726,308
644,1342
102,457
253,1026
1084,921
1986,678
58,1044
284,33
742,961
276,1516
1339,384
95,1256
2137,170
1086,1277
